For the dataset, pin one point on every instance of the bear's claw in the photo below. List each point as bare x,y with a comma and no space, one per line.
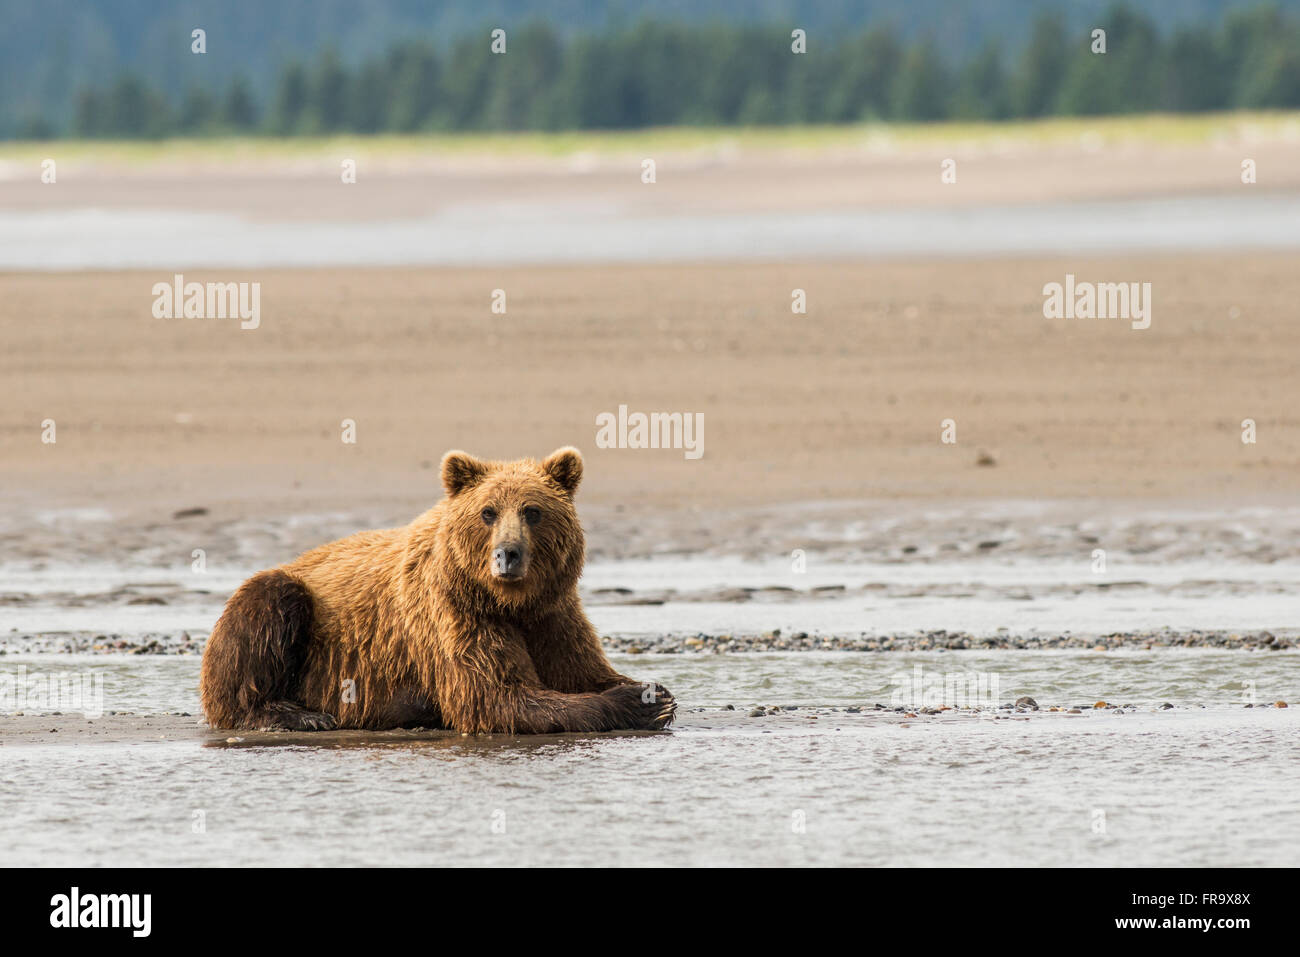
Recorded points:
667,708
287,716
639,709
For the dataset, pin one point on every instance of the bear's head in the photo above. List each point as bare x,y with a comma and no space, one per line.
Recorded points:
511,527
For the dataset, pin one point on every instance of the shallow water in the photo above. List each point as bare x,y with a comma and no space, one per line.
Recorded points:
1189,786
979,598
1192,677
676,596
94,238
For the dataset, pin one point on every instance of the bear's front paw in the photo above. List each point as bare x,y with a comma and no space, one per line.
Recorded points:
642,706
288,716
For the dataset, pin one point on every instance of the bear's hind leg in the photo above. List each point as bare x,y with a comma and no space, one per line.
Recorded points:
253,659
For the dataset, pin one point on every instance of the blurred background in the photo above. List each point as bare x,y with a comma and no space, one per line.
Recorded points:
124,68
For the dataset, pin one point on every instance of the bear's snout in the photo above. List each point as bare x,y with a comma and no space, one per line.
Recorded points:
508,561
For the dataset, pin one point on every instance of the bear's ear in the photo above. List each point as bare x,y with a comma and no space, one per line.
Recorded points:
564,466
460,471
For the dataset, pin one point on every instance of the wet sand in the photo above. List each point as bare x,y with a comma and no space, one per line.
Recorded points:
76,730
64,730
829,758
841,789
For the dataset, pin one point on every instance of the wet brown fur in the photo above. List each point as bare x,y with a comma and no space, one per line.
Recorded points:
414,618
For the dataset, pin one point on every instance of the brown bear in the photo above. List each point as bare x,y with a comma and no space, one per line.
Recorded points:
468,618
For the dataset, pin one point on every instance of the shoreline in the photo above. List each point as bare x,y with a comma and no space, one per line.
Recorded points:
67,730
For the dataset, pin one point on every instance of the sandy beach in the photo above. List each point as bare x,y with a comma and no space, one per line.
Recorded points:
845,402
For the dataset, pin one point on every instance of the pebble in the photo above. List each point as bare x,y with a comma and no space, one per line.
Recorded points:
942,640
182,643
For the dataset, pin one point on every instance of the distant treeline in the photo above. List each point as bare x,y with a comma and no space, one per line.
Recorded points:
655,74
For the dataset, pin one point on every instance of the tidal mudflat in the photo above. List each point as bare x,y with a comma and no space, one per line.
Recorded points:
890,704
1063,639
822,776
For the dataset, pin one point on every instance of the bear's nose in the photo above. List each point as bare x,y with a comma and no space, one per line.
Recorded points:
507,561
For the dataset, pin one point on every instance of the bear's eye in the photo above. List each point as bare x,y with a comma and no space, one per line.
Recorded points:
489,515
532,515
